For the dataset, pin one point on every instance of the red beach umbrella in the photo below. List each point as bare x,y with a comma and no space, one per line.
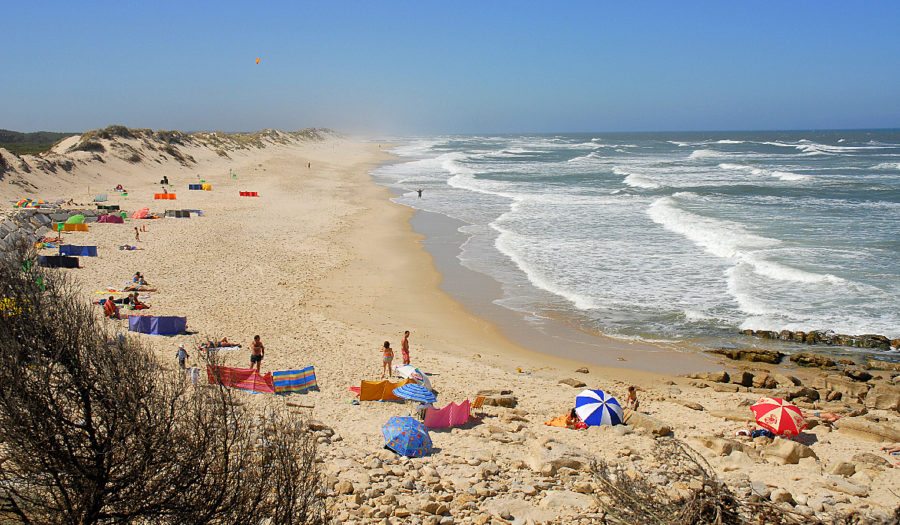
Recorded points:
779,416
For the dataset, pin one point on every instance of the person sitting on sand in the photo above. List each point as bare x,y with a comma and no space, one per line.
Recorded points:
631,400
129,247
574,422
257,351
138,278
110,309
136,303
387,356
892,449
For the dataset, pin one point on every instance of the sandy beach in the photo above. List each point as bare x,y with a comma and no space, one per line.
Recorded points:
324,267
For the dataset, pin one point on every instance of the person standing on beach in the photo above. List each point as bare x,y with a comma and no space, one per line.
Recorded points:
182,355
137,234
387,356
404,347
420,192
257,351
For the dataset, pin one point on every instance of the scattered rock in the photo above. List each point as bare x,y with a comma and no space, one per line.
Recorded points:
868,429
583,370
813,360
574,383
846,387
715,377
344,487
435,507
764,381
884,397
856,374
875,364
781,496
655,426
724,387
690,404
783,380
804,392
745,354
566,499
871,460
842,468
842,485
721,446
742,378
506,401
787,452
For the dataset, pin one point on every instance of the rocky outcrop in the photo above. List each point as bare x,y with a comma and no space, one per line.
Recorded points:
747,354
31,225
827,337
813,360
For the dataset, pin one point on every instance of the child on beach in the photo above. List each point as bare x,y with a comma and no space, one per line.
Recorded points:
631,400
182,355
387,356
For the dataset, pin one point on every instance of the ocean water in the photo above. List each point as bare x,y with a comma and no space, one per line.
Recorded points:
680,237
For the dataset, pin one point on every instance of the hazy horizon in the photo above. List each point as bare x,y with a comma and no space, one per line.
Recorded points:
403,68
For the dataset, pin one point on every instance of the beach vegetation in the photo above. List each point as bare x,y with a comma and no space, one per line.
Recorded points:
89,145
685,490
30,143
95,429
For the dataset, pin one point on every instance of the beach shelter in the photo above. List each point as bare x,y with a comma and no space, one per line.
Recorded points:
117,219
75,219
379,390
450,416
287,382
595,408
779,416
100,198
411,372
415,392
141,213
57,261
406,436
151,324
75,227
206,186
241,378
71,249
194,187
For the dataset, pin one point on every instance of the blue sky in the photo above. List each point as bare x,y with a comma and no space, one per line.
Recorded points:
437,67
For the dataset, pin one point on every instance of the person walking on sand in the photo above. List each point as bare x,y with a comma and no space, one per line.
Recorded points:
404,347
257,351
182,355
387,355
137,234
632,401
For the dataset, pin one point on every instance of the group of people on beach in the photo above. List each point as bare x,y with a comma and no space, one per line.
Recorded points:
387,355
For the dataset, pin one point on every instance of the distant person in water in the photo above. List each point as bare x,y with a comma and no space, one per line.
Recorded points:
387,356
420,192
404,347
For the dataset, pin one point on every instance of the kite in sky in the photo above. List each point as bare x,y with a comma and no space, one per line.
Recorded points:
257,61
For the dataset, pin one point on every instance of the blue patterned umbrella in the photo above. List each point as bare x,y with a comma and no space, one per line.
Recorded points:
596,408
406,436
415,392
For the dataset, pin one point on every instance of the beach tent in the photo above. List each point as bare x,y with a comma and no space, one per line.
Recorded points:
114,207
449,416
194,187
57,261
71,249
75,219
111,218
206,186
380,390
242,378
141,213
249,194
151,324
164,196
100,198
181,214
74,227
290,381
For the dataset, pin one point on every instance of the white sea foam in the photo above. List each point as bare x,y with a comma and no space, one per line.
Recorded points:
728,141
778,174
634,179
887,166
706,154
679,144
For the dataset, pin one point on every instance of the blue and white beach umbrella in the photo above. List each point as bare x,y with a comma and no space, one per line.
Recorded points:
415,392
595,408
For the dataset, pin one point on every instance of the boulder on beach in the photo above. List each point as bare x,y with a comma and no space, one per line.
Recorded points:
813,360
748,354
